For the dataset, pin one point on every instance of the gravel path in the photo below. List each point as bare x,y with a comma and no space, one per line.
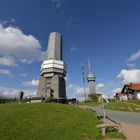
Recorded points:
132,132
130,121
119,116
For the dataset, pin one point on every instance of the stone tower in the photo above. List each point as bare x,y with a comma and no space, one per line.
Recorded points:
53,70
91,80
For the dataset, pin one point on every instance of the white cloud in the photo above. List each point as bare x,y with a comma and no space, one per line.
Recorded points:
19,46
12,93
73,86
8,92
116,90
99,87
5,72
134,56
7,61
78,92
31,83
10,20
129,76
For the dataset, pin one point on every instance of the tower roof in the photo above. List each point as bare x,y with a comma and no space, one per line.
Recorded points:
90,75
55,46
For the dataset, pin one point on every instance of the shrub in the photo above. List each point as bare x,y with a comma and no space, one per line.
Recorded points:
93,97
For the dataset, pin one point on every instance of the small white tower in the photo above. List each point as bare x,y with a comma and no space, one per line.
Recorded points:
91,80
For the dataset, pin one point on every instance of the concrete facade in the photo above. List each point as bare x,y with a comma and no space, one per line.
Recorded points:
53,70
91,80
55,46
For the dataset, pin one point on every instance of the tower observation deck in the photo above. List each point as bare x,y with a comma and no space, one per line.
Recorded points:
53,70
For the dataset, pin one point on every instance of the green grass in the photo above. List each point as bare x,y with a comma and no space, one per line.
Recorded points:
47,122
137,102
123,106
114,134
91,103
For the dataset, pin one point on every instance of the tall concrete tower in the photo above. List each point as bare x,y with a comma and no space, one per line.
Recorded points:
91,80
53,70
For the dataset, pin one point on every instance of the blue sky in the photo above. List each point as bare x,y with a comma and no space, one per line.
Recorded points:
105,31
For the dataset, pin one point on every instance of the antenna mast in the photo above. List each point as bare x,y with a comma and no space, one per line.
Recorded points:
89,67
83,77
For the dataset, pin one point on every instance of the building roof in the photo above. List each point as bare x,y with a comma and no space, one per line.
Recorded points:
119,94
131,86
134,86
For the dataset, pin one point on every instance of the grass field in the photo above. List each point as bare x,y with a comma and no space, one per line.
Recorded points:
47,122
134,101
131,106
91,103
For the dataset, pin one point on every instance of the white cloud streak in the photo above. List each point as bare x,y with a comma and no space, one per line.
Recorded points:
134,56
23,74
7,61
131,66
12,93
116,90
31,83
78,92
5,72
99,87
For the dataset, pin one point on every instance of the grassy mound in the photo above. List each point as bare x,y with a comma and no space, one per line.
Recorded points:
47,122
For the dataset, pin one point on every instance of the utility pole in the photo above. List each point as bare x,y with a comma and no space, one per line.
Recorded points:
103,107
83,77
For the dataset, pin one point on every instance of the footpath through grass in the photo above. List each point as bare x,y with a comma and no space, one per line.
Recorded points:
47,122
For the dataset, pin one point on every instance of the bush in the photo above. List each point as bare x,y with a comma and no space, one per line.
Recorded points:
93,97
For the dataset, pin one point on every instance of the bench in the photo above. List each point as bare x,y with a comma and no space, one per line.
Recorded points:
105,125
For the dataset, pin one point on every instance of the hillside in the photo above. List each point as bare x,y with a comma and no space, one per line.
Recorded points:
47,122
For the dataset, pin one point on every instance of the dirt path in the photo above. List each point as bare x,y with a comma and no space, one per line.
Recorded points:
132,132
130,121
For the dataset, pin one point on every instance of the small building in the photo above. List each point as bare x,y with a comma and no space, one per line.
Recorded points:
36,99
121,96
129,92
